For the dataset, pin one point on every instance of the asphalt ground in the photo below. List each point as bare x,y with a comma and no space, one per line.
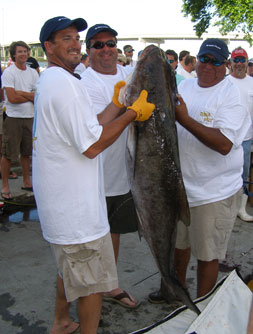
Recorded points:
28,275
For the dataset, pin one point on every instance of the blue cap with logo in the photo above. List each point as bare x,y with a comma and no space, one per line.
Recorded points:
59,23
215,47
97,28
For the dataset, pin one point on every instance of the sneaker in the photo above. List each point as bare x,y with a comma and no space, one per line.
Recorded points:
156,297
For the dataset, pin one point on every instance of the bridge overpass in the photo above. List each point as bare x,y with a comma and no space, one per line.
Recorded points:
157,39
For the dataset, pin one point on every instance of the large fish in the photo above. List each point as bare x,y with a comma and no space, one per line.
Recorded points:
154,167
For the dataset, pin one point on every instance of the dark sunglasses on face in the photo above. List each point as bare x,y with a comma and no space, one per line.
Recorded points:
237,60
171,61
100,45
214,62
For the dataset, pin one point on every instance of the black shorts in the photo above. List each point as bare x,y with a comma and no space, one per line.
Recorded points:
122,214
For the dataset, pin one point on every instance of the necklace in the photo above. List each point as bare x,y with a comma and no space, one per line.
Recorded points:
76,75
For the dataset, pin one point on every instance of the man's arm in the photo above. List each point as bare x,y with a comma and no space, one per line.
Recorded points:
140,111
109,114
18,96
111,131
210,137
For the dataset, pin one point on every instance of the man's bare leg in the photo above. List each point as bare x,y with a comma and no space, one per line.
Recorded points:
25,164
5,171
115,243
89,311
182,258
62,322
207,276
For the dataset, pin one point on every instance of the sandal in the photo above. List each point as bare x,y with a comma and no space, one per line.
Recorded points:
118,299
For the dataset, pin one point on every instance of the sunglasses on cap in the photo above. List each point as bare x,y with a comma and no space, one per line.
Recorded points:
100,45
206,60
237,60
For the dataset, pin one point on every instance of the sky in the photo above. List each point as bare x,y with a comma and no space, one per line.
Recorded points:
23,19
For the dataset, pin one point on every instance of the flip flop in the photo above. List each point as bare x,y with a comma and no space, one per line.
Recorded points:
8,193
12,176
118,299
27,188
76,331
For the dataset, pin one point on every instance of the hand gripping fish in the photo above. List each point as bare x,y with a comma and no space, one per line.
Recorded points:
154,167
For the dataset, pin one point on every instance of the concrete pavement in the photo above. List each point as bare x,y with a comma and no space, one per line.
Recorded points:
28,276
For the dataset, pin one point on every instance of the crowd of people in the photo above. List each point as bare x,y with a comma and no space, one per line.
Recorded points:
71,121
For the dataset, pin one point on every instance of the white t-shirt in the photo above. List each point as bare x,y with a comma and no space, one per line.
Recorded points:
24,80
68,186
208,175
80,68
100,88
132,63
245,86
185,74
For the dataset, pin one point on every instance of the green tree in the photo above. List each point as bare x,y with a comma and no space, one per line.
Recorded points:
228,15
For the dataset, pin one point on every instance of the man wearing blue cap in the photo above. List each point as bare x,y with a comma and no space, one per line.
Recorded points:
99,80
212,123
68,177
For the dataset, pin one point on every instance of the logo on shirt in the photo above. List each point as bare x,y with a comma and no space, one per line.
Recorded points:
206,117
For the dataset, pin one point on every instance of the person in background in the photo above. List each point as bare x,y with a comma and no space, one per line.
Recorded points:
212,124
121,60
12,174
173,60
68,176
119,51
19,82
32,62
250,67
188,67
182,55
84,64
139,54
239,64
99,80
129,51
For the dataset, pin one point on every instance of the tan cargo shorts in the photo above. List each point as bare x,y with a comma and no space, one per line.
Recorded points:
17,137
86,268
210,228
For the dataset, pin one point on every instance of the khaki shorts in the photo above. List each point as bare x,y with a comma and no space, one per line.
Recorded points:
86,268
17,137
210,228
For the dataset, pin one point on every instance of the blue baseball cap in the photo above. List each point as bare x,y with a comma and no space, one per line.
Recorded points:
215,47
59,23
97,28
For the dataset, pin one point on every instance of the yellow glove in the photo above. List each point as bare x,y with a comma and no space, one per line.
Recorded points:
142,108
115,98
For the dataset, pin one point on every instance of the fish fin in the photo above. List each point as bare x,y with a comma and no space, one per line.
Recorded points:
131,150
140,225
181,293
184,211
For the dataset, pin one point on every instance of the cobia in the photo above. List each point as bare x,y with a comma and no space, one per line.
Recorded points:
154,167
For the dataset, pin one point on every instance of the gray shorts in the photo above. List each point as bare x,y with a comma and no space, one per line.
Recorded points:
17,137
210,228
86,268
122,214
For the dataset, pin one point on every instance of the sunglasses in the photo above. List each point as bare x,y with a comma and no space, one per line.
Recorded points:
237,60
171,61
100,45
206,60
